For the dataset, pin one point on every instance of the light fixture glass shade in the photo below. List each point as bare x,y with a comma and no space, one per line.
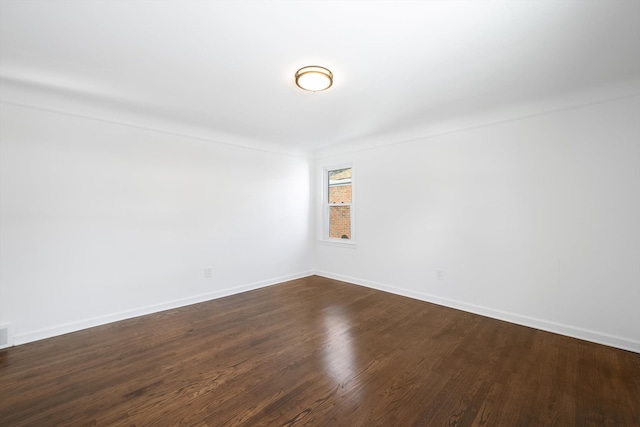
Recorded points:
314,78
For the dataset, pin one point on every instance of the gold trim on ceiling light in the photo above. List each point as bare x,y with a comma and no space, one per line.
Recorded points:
314,78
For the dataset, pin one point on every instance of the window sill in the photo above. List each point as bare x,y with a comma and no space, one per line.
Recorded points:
338,242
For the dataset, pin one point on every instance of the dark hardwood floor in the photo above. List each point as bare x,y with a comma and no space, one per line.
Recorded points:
316,351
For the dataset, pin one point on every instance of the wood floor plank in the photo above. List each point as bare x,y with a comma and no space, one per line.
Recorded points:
317,351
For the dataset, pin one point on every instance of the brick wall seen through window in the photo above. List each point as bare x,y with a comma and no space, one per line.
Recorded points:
340,198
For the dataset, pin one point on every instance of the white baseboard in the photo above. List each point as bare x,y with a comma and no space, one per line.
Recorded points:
115,317
558,328
571,331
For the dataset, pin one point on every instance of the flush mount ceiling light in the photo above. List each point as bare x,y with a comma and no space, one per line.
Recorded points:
314,78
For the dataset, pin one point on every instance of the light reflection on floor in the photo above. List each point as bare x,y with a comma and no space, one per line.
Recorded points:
340,361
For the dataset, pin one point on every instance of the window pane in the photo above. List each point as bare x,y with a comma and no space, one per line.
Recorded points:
340,186
340,222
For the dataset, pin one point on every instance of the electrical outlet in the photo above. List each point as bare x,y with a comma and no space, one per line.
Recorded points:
439,274
6,335
208,272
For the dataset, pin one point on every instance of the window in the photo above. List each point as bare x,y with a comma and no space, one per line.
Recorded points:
338,190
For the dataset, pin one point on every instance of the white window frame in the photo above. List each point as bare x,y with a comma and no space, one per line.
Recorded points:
326,205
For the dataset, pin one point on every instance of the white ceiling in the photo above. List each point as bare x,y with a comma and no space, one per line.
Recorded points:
228,66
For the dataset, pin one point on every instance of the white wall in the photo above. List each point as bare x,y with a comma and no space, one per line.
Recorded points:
533,220
101,221
536,220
